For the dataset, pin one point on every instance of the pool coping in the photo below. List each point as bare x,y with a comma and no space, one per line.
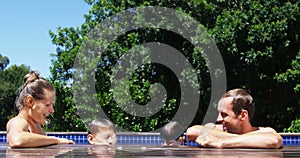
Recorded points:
143,133
121,133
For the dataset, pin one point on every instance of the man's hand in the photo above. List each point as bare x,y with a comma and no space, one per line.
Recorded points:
199,131
209,140
193,132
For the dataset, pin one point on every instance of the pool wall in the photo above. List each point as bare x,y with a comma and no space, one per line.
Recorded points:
290,139
123,138
143,138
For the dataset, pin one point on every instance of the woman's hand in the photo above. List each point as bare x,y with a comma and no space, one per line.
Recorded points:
65,141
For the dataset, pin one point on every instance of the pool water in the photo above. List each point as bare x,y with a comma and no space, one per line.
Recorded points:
144,145
85,150
130,138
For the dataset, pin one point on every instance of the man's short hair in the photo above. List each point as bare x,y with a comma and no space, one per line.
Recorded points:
242,100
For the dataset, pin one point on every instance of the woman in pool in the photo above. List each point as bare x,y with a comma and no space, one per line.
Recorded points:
101,132
34,102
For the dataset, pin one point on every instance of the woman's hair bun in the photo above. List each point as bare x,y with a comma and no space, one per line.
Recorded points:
33,75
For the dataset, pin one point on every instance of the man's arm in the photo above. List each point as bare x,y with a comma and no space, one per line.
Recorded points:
195,131
262,138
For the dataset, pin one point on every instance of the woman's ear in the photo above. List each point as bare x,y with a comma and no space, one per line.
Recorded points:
29,101
91,139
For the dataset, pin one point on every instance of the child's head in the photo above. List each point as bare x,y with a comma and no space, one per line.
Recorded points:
170,132
101,131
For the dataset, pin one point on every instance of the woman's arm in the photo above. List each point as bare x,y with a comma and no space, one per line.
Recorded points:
18,136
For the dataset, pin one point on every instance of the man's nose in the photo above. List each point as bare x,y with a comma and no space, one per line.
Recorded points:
219,119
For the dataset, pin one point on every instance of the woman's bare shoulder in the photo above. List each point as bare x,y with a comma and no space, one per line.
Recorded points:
17,122
17,119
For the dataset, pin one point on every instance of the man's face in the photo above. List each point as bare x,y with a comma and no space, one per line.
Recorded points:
231,123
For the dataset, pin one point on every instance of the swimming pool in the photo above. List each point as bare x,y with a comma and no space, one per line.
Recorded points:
144,145
85,150
144,138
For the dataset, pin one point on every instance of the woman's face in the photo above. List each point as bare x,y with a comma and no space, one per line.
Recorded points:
42,108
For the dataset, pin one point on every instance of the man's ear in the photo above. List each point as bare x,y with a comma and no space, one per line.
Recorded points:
243,115
29,101
91,139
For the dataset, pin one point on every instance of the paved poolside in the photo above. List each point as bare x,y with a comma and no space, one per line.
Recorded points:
79,150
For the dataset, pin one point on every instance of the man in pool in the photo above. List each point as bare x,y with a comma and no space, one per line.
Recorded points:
101,132
236,109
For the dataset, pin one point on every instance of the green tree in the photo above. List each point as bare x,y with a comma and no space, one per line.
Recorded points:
10,80
4,61
140,81
259,42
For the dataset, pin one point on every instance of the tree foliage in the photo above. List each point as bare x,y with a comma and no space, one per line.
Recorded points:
259,42
11,79
4,61
294,128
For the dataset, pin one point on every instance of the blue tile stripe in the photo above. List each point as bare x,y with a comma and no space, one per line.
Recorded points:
151,139
79,138
291,140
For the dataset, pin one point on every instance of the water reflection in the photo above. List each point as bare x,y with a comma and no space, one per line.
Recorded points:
196,152
237,153
106,151
99,151
36,152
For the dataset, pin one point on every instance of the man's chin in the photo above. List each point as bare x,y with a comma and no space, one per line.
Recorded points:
224,129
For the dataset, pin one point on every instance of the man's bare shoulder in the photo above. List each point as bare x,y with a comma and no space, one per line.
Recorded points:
265,129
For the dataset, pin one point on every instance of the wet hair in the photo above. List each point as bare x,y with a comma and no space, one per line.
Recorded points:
242,100
99,124
171,131
33,85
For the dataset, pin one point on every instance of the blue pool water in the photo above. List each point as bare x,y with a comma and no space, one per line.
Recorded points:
151,139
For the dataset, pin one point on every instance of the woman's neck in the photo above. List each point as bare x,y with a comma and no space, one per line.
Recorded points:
33,126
